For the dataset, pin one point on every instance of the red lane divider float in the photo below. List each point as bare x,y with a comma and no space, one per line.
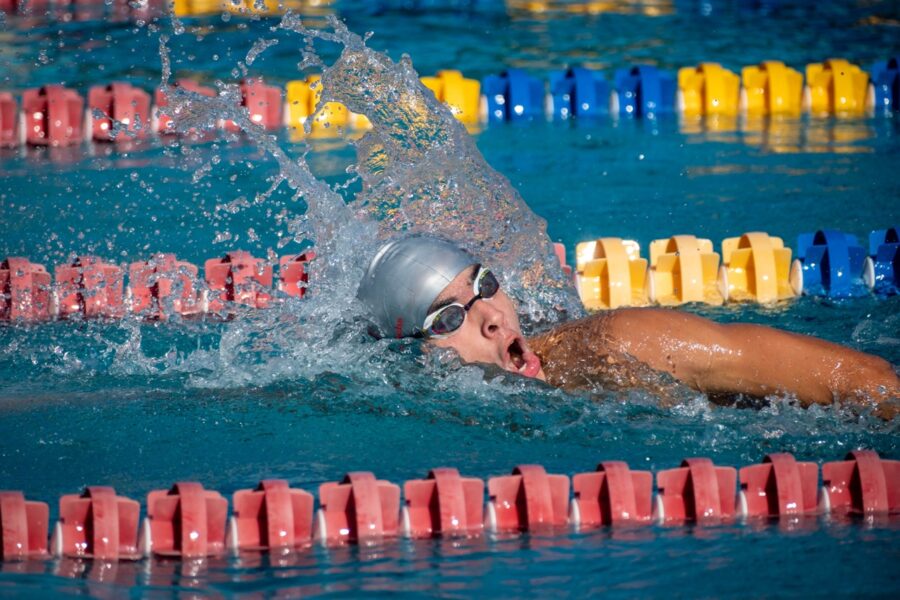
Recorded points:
611,495
157,288
780,486
560,250
270,516
263,102
9,121
186,521
442,504
292,274
862,484
696,491
192,522
162,119
116,112
25,292
52,116
91,288
238,277
23,525
97,524
358,509
164,285
528,499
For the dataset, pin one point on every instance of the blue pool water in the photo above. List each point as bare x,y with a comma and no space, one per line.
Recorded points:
141,405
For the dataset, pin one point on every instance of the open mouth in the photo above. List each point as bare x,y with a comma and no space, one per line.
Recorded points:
521,359
516,354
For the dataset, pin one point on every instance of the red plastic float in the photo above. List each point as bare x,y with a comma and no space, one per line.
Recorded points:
358,509
612,495
271,516
292,274
443,504
25,291
117,105
263,102
186,521
696,491
527,499
163,284
163,121
863,484
9,121
23,527
90,287
52,116
560,251
780,486
98,524
238,277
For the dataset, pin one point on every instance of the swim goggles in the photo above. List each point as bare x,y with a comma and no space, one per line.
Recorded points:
446,320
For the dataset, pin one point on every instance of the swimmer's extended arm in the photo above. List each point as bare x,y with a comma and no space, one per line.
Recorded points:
750,359
730,359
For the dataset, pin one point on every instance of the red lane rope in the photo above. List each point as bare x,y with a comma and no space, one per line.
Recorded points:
189,521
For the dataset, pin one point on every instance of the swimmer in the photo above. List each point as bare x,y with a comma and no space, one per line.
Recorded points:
421,286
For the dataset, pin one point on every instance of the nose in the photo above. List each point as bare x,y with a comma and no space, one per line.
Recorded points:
492,319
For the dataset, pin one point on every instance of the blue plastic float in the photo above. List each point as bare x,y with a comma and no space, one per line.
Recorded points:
513,95
883,265
886,84
643,91
578,92
829,263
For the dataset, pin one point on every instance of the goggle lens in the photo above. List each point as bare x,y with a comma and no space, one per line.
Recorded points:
448,319
487,285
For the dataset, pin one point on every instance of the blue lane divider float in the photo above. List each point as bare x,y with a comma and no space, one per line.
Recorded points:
882,272
578,92
643,91
886,84
513,95
829,263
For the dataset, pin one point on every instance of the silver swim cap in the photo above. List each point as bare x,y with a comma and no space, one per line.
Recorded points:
404,279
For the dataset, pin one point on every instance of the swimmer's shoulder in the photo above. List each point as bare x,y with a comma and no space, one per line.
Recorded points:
574,336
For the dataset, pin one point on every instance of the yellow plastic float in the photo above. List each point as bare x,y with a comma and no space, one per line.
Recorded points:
708,89
755,267
610,273
253,7
835,87
331,120
683,269
771,88
193,8
462,95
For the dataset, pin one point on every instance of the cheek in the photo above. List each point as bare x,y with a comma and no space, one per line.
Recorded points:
468,343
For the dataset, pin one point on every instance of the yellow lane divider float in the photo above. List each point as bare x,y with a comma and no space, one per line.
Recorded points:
836,87
756,267
331,120
200,8
610,273
683,269
708,89
771,88
462,95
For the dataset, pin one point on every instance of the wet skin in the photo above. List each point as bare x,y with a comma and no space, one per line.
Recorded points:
620,347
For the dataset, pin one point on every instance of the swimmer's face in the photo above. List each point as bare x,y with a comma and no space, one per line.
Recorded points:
490,333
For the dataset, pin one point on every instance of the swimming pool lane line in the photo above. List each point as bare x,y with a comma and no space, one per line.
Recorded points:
188,521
